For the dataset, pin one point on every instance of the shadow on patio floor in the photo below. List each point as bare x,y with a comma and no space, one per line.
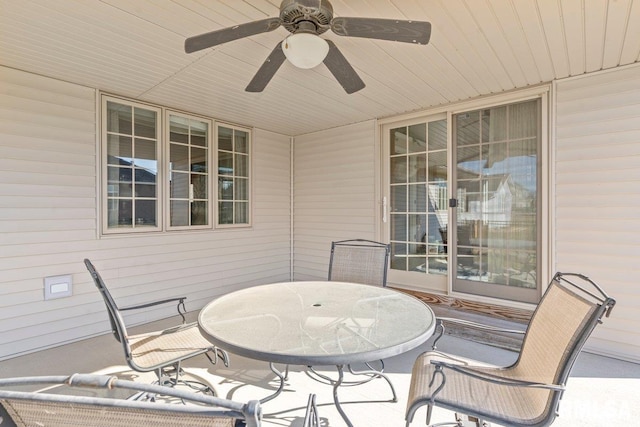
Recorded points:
601,391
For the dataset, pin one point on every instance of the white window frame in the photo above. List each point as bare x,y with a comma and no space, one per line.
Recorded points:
162,181
210,159
104,169
249,177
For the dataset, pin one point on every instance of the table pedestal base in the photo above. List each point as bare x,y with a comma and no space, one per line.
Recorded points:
372,374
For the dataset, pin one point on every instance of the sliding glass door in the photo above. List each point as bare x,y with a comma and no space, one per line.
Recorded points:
495,216
461,201
417,201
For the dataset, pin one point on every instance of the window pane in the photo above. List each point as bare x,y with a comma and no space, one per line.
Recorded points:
398,139
179,213
399,227
199,133
468,128
399,198
398,169
417,229
225,139
225,163
119,213
241,165
241,189
233,176
119,182
418,138
438,166
199,213
494,124
119,118
179,129
189,163
399,256
179,157
417,198
241,213
144,187
419,158
199,185
497,194
523,120
417,168
145,123
225,212
145,154
119,149
179,185
241,139
145,213
225,189
199,160
438,135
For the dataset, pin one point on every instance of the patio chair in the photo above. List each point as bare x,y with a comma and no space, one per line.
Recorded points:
528,392
366,262
160,351
87,400
359,261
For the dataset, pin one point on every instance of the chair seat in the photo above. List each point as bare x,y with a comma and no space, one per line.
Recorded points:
57,414
524,405
150,351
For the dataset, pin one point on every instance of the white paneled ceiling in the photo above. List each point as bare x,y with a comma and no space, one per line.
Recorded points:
135,48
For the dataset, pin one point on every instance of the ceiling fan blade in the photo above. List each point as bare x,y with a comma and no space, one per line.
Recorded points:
342,70
383,29
267,70
214,38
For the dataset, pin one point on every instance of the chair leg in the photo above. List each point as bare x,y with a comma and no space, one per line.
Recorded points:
218,353
311,418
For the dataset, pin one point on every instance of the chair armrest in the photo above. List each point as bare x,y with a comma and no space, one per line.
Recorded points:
492,378
182,310
440,321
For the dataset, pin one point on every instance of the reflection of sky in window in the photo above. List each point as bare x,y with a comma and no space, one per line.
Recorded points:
150,165
521,168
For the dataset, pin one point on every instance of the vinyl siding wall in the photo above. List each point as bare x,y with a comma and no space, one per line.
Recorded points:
48,225
597,196
334,194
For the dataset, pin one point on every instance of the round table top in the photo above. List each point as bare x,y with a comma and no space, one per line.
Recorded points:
317,323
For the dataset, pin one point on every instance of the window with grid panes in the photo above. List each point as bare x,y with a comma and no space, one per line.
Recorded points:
189,181
132,150
157,175
233,150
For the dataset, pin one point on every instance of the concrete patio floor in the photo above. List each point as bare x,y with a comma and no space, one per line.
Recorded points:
601,391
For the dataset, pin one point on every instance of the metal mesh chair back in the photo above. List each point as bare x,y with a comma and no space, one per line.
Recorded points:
118,327
158,349
57,408
359,261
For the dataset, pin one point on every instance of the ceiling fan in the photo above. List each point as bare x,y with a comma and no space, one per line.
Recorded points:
306,20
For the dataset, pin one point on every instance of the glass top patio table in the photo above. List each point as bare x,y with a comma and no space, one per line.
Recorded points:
317,323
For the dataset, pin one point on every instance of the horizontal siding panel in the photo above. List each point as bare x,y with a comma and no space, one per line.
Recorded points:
334,194
48,221
22,226
597,184
613,138
32,190
601,155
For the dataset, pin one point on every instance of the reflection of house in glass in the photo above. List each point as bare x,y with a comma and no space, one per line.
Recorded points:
132,192
496,220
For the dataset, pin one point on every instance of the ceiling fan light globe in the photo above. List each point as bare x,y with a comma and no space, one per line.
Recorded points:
305,50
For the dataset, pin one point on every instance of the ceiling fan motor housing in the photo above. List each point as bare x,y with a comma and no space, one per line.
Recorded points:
295,12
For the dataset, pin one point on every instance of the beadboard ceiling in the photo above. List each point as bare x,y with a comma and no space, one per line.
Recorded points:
135,48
